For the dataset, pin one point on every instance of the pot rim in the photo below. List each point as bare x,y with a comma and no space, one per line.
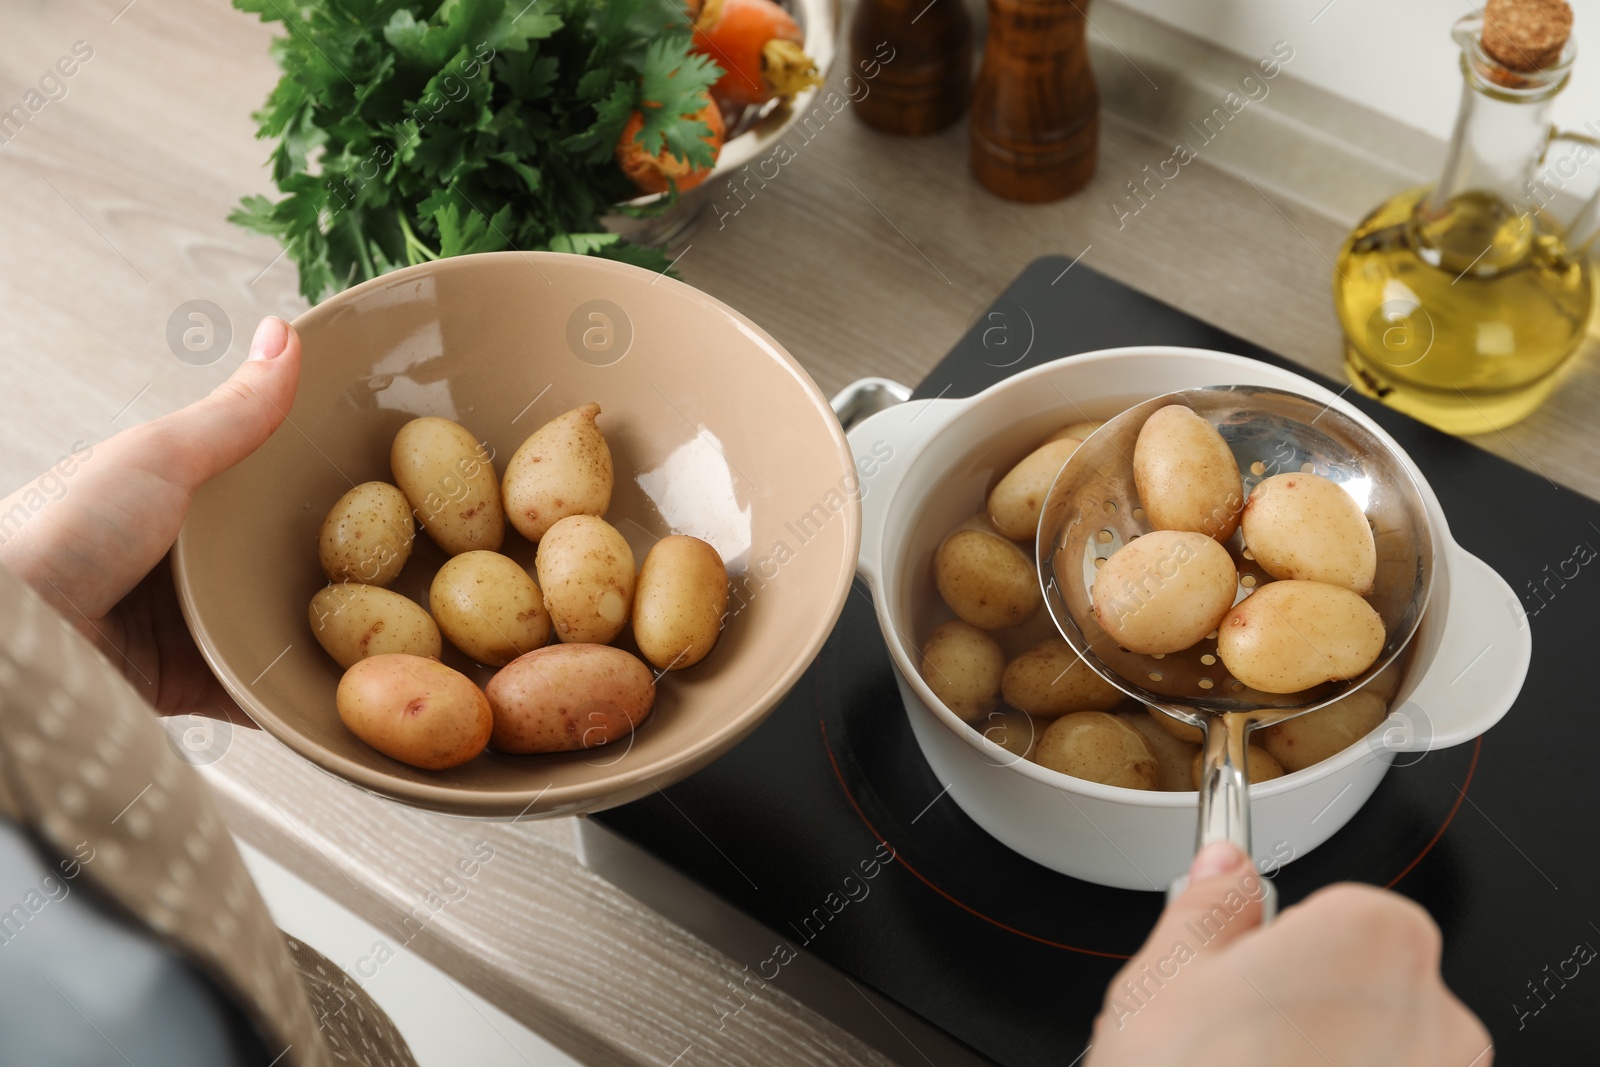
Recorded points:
955,411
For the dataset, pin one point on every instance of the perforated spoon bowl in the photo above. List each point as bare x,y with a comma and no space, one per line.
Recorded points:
1093,509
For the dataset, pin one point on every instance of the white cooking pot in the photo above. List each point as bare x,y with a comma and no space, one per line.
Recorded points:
927,465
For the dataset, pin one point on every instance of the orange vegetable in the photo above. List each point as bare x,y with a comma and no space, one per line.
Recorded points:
653,173
759,48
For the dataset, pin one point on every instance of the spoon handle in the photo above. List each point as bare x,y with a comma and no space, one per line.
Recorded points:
1225,803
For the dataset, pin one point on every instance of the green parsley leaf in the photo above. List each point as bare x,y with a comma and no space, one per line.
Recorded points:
407,130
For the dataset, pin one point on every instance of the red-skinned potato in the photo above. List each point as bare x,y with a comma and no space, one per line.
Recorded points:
415,710
566,697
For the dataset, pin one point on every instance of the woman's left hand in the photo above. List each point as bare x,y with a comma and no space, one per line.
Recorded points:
91,535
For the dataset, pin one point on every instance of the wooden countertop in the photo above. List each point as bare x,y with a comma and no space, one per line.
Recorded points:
866,255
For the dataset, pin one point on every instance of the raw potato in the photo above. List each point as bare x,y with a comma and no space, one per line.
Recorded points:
367,535
1258,763
563,469
986,580
488,607
679,602
962,665
1164,591
1173,757
585,569
1306,526
1310,739
448,477
567,697
1098,748
1180,730
1079,430
352,621
1015,504
1050,679
415,710
1186,474
1292,635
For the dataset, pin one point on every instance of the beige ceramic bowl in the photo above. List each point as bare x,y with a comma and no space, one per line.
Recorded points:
714,429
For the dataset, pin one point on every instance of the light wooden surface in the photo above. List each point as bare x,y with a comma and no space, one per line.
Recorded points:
866,254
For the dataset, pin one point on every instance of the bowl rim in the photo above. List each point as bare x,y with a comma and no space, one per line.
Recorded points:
961,408
625,783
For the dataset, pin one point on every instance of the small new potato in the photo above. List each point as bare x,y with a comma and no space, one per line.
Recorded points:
1186,474
1078,430
1050,679
1164,591
1306,526
489,607
962,665
986,580
1310,739
567,697
1017,499
367,535
352,622
679,601
1259,766
449,480
563,468
1173,757
415,710
1012,730
1180,730
1097,747
585,569
1292,635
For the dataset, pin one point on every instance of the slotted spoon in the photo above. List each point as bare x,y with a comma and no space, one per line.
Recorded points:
1093,509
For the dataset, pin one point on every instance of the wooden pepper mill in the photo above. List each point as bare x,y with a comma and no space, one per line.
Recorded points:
1036,110
916,59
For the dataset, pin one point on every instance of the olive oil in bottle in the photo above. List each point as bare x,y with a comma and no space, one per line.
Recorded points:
1462,302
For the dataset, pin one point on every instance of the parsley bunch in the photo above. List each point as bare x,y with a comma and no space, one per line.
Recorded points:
410,130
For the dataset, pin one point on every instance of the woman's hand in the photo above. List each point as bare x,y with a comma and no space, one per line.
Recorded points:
1349,976
96,547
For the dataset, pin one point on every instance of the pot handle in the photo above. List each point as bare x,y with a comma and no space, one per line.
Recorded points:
1478,669
886,431
865,397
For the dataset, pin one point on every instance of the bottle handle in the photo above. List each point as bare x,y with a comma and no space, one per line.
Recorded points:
1581,231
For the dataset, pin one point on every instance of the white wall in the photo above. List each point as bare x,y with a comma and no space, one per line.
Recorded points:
1394,56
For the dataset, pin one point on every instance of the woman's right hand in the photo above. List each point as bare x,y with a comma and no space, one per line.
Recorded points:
1349,976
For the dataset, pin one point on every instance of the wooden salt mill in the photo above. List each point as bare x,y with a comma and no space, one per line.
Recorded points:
915,56
1035,110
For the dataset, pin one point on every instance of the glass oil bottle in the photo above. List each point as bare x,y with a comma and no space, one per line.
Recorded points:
1462,302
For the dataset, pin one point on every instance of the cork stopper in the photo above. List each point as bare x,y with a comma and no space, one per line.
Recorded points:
1526,35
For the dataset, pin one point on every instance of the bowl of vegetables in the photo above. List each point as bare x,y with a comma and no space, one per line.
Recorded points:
541,534
422,130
